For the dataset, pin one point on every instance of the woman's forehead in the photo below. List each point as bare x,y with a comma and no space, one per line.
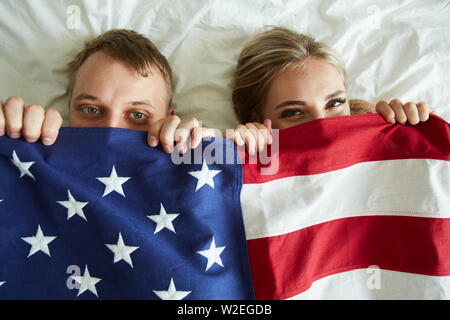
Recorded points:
316,77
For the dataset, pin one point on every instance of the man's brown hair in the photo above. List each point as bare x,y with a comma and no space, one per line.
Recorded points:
129,47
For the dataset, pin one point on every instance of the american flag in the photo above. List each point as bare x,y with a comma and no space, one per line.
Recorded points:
100,215
348,208
356,208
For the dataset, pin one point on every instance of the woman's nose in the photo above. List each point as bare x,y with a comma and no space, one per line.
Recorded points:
317,113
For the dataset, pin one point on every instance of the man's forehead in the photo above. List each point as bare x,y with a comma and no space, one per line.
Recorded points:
102,73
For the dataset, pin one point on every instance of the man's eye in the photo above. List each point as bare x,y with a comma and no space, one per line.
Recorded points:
290,113
138,115
91,110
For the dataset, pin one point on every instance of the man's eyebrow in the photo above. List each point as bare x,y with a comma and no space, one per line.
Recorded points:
142,103
86,96
291,103
334,94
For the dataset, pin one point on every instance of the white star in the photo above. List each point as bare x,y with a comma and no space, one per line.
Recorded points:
73,206
22,166
204,176
2,283
212,254
121,251
113,183
39,242
163,220
171,293
86,282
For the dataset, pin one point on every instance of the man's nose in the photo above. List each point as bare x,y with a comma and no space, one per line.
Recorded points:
114,121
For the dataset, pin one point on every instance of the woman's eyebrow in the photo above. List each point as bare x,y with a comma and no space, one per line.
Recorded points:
303,103
291,103
334,94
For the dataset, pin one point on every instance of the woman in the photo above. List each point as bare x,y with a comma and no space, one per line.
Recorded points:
284,78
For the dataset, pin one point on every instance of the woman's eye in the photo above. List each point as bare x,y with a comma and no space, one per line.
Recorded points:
91,110
336,103
290,113
138,115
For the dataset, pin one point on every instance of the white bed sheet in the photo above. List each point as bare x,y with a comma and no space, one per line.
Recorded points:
392,49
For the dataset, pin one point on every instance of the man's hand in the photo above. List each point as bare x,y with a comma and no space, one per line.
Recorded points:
171,129
33,122
396,111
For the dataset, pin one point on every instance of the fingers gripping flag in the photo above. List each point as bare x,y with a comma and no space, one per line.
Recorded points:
100,215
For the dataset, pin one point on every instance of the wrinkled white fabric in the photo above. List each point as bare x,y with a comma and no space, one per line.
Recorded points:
392,49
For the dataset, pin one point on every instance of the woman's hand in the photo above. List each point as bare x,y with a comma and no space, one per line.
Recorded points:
173,133
396,111
254,135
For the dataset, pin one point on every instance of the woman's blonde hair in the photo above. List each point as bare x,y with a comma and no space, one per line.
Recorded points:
265,57
127,46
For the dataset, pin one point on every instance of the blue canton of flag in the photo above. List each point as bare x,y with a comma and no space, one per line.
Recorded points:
101,215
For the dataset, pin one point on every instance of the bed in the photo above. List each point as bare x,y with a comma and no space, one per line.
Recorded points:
392,49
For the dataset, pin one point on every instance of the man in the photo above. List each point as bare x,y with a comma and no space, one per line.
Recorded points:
119,79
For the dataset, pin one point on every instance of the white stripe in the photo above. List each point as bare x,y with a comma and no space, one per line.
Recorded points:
412,187
377,284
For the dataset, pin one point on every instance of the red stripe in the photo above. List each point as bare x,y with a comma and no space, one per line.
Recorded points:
335,143
284,266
